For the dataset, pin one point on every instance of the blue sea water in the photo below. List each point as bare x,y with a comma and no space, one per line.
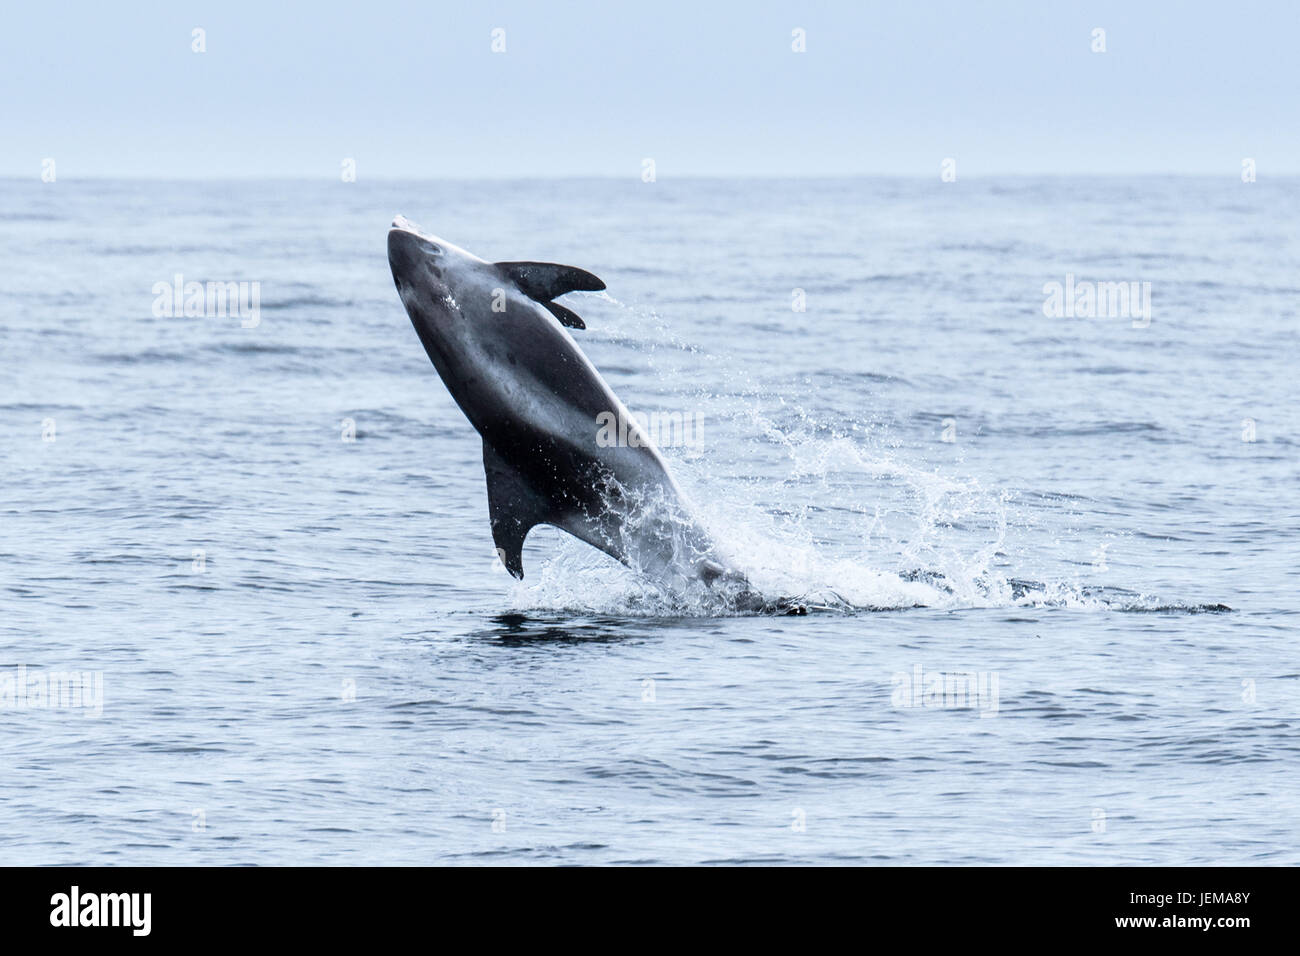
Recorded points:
308,654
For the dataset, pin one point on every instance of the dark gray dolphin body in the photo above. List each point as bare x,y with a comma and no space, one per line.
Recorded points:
500,344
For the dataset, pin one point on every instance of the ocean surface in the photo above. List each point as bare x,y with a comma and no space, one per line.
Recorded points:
1055,556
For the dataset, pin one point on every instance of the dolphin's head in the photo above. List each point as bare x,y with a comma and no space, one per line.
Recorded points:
433,277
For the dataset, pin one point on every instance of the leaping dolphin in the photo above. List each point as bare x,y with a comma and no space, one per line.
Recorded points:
499,340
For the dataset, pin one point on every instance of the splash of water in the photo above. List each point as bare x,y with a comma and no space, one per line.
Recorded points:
839,521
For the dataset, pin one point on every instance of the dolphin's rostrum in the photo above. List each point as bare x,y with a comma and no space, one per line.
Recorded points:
498,339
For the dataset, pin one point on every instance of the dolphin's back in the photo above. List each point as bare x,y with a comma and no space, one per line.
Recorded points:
548,466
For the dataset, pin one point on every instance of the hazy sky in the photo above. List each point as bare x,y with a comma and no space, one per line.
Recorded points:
414,89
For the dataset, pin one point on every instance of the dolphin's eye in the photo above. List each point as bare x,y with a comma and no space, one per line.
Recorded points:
431,248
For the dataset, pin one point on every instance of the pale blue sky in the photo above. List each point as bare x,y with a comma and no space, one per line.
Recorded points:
591,88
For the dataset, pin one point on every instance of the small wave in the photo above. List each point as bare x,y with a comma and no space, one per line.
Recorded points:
150,356
307,302
258,348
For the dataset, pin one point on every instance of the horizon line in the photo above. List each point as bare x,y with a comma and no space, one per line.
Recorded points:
258,177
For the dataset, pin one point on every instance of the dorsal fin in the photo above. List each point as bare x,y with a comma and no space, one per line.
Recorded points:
545,281
513,508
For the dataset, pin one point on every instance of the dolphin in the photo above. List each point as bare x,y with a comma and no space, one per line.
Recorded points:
502,345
